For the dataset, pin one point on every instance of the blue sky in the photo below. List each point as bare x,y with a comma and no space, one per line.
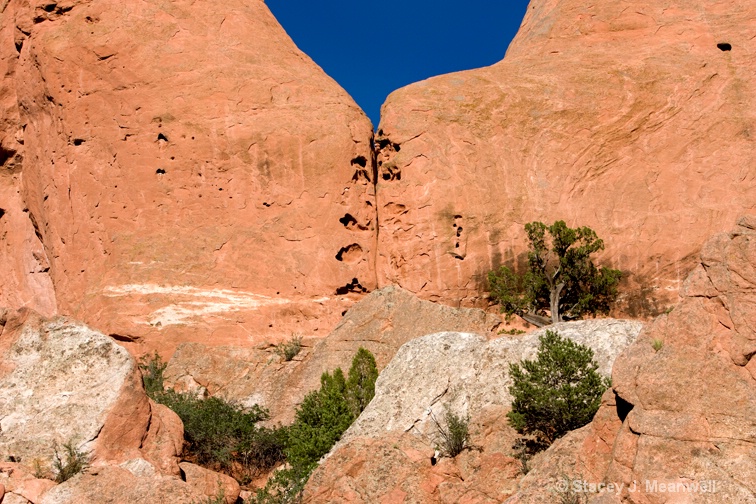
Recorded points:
373,48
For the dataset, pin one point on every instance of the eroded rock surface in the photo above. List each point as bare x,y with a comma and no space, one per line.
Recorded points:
466,373
191,174
685,392
382,322
387,453
115,485
630,118
61,382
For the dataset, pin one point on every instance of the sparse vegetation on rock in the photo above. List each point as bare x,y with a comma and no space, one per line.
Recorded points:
557,392
225,437
453,435
561,281
219,435
70,463
152,368
290,348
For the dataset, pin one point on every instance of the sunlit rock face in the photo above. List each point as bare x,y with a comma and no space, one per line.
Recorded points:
181,170
630,118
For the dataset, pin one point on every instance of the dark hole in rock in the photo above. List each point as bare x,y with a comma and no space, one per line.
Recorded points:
353,286
124,337
724,46
457,216
162,137
383,143
2,212
78,141
160,171
398,175
456,245
623,407
348,220
360,160
386,176
19,45
380,132
396,147
380,163
266,204
50,7
350,253
343,313
434,460
459,231
361,173
182,474
5,155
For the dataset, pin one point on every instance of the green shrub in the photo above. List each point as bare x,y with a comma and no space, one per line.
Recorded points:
152,368
453,436
657,344
556,393
561,281
289,349
225,437
72,462
361,381
325,414
320,421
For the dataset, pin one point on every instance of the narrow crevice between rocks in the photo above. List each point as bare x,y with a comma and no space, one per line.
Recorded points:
623,407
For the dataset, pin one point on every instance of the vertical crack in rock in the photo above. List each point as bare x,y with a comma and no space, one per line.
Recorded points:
377,217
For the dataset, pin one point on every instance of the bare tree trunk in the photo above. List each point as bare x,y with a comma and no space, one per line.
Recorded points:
554,302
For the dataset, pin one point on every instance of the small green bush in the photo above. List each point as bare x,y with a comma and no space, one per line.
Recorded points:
453,436
558,392
225,437
152,368
291,348
325,414
320,421
360,384
657,344
72,462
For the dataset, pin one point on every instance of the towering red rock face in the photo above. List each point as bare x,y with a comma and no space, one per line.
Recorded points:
191,174
633,119
24,278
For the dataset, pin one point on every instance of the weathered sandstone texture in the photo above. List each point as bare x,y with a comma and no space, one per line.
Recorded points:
382,322
632,118
61,382
684,414
114,485
178,170
387,452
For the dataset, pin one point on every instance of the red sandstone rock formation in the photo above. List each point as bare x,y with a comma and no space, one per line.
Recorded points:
630,118
685,395
182,172
191,174
382,322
